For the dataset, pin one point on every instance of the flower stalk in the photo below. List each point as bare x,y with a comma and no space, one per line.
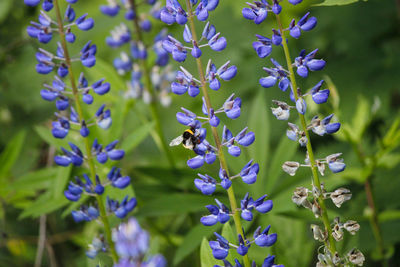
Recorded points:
316,181
221,156
79,110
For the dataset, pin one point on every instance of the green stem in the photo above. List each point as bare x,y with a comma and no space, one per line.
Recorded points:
90,161
221,156
149,87
316,182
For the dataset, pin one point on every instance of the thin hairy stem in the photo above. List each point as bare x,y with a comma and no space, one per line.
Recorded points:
316,182
90,161
221,156
160,137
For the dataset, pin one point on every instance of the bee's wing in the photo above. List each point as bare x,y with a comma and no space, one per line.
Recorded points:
176,141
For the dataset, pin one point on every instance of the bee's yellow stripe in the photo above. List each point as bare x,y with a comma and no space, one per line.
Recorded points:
189,131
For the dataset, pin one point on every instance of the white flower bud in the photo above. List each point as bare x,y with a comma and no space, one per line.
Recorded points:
356,257
317,233
340,195
351,226
337,232
290,167
280,113
300,195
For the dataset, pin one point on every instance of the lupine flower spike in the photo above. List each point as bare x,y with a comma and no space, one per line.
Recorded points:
191,46
307,62
71,96
148,80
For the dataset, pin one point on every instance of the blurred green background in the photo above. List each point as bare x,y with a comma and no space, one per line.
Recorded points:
361,44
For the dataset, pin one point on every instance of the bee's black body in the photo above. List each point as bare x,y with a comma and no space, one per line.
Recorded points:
190,140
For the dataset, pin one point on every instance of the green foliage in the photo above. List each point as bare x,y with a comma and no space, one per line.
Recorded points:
363,64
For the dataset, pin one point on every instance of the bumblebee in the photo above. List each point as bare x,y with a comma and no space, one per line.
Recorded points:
189,139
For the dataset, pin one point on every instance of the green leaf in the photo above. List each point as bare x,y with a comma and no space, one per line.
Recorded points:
337,2
389,215
174,204
192,241
44,205
259,123
206,257
136,137
285,150
389,160
61,180
5,6
11,153
47,137
39,179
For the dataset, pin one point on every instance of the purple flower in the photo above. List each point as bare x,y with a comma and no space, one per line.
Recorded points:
219,214
263,239
304,62
206,184
220,248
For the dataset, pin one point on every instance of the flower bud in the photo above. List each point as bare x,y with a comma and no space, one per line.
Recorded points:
356,257
351,226
290,167
340,195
